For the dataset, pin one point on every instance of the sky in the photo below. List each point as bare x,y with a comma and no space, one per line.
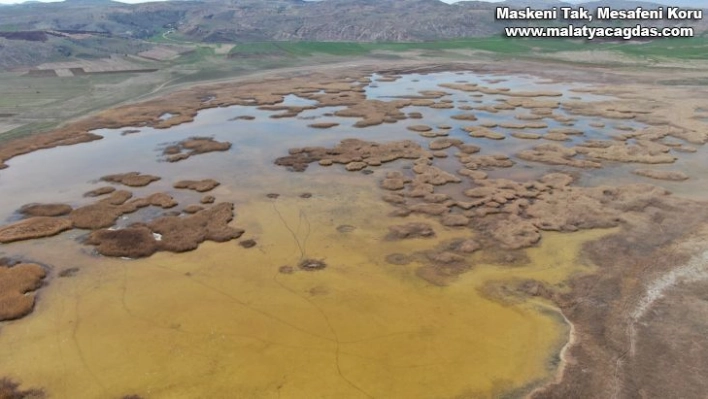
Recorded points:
693,3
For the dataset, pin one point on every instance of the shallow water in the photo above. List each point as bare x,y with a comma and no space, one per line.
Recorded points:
222,321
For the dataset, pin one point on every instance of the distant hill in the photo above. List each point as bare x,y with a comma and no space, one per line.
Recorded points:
125,27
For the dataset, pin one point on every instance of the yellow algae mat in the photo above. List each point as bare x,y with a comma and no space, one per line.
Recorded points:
224,322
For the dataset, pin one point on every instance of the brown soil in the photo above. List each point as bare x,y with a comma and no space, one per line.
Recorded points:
194,146
131,179
17,284
197,185
45,210
11,390
627,346
35,227
100,191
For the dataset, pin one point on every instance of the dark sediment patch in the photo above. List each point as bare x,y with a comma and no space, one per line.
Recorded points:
100,191
250,243
398,259
272,195
442,267
197,185
243,118
345,228
286,269
312,264
17,286
11,390
45,210
129,131
306,195
131,179
32,228
70,272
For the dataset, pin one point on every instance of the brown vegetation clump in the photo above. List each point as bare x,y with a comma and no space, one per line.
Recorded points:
410,230
419,128
106,211
645,152
100,191
16,283
323,125
192,209
483,132
132,242
556,154
11,390
672,175
131,179
45,210
180,234
168,233
35,227
207,199
197,185
375,112
355,153
194,146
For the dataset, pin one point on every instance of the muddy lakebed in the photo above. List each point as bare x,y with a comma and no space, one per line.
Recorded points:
360,235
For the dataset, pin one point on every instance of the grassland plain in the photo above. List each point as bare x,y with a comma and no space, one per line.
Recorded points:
38,104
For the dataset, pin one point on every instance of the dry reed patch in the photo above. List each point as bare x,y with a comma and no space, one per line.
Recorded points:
131,179
197,185
45,210
671,175
194,146
17,284
355,153
35,227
